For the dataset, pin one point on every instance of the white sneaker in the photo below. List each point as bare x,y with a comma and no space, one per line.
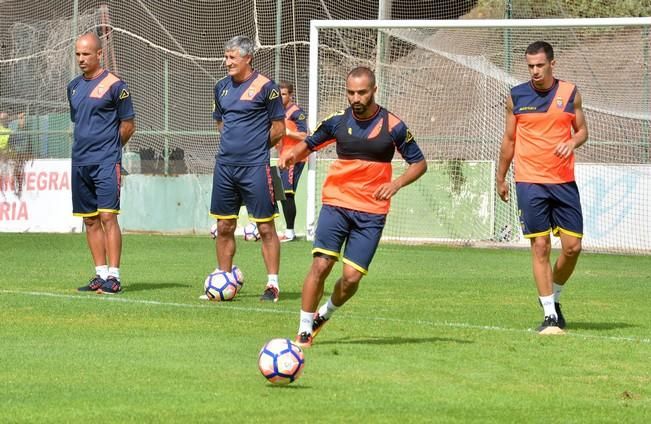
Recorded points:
203,297
284,238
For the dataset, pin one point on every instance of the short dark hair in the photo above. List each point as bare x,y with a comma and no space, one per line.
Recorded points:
363,71
538,46
288,85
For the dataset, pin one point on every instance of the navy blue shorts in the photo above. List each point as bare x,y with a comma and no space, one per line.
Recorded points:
360,230
290,177
546,208
234,185
95,189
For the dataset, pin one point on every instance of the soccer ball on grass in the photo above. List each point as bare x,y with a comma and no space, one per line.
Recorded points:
220,286
280,361
251,232
239,277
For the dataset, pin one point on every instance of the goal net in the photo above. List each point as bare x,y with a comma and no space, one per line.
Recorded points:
447,83
171,54
448,80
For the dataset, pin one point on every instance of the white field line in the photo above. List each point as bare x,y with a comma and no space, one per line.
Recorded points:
230,306
116,298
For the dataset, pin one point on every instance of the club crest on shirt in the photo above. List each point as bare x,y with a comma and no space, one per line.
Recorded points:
250,93
100,89
410,137
559,102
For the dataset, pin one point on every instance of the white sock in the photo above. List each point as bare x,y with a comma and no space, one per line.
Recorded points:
327,309
272,280
557,292
115,272
305,325
289,233
102,271
548,305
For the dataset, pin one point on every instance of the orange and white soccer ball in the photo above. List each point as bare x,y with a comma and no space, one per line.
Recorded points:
239,277
281,361
220,286
251,232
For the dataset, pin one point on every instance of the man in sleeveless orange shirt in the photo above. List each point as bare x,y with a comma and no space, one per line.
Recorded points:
544,125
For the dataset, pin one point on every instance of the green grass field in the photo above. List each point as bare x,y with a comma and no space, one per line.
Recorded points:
433,335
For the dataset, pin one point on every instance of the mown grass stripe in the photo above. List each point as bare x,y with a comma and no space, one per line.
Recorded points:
230,306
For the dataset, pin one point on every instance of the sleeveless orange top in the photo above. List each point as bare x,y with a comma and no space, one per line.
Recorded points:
543,120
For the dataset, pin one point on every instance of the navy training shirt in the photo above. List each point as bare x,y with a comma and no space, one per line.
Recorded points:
246,109
97,106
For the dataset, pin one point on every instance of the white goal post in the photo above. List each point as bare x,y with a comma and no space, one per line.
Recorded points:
448,80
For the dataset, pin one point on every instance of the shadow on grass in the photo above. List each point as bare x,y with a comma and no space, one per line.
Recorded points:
573,325
393,340
287,387
252,293
153,286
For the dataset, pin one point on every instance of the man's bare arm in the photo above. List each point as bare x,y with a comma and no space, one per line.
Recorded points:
276,132
127,128
507,151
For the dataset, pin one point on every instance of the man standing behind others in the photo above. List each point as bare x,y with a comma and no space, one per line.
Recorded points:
102,111
544,125
250,118
295,131
5,132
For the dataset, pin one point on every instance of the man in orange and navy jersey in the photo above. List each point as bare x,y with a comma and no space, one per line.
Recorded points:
295,131
250,117
102,111
544,125
356,194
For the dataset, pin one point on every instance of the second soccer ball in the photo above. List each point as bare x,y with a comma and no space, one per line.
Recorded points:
251,232
239,277
220,286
